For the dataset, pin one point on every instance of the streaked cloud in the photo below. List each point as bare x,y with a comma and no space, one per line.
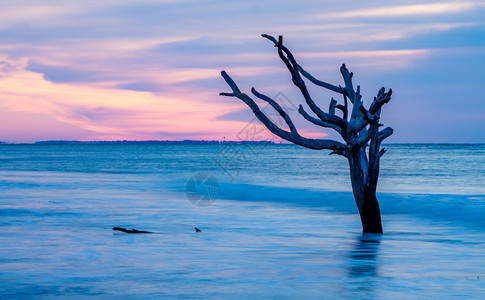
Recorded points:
413,10
113,112
14,15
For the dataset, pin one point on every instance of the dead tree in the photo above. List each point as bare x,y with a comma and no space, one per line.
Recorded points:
358,126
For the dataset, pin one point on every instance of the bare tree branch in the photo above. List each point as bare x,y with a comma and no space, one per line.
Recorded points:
290,62
307,75
342,108
331,108
277,107
318,121
317,82
293,137
381,99
381,153
385,133
269,37
357,102
349,88
346,107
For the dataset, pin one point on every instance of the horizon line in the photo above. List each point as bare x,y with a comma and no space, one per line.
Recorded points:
215,142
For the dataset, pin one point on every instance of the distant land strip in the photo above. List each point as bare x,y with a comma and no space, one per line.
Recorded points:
149,142
200,142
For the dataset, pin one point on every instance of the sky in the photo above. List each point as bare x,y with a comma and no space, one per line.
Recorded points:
150,70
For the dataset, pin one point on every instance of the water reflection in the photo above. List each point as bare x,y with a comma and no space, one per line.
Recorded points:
363,257
363,266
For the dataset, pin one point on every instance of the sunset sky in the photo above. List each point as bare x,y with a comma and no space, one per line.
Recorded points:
148,69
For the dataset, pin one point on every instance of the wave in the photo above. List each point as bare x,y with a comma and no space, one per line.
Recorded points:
463,210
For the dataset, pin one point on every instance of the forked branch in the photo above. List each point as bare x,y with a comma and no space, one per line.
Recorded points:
292,136
293,67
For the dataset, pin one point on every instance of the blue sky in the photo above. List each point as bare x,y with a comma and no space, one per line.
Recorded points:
93,70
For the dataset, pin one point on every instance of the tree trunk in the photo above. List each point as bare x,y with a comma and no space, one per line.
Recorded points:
371,214
364,193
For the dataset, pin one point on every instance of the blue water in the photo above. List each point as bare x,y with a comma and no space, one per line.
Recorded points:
284,224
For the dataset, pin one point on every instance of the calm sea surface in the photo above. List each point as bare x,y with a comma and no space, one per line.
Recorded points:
277,221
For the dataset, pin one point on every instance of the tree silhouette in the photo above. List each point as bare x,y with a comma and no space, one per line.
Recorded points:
358,126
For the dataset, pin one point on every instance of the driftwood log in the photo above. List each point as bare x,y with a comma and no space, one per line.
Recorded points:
130,230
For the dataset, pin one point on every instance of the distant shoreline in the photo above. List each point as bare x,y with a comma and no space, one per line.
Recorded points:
187,142
146,142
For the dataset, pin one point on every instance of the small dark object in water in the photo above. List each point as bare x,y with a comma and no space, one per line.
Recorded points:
131,231
197,229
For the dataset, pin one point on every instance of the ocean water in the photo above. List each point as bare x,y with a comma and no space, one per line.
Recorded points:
277,221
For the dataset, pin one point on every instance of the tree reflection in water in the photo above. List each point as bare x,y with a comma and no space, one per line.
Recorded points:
363,257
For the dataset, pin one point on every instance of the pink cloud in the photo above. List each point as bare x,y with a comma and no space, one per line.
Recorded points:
110,112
